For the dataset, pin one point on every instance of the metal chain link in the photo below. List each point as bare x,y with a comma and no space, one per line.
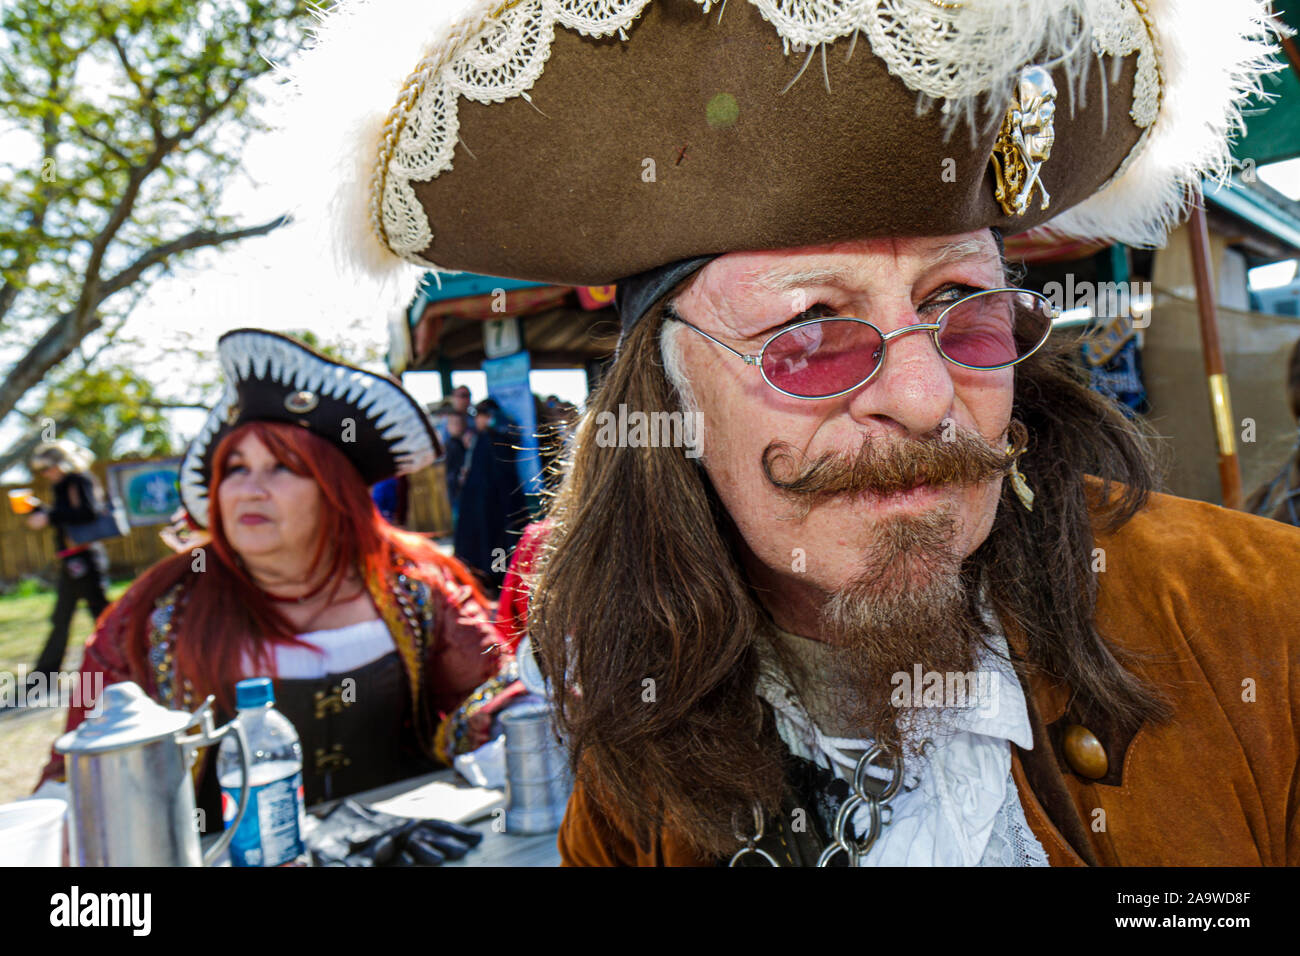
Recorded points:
751,842
877,805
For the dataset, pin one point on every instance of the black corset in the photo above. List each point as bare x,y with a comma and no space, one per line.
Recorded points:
355,736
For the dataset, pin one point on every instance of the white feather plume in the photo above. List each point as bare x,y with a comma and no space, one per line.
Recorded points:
331,114
1212,56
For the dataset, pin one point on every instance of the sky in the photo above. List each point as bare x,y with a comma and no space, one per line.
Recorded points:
1285,178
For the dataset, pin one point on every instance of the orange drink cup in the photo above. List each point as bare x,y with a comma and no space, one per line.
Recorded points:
21,501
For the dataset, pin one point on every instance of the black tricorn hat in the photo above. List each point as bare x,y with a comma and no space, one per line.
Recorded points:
270,377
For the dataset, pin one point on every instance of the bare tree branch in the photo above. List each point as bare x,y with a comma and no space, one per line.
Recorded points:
72,326
109,335
102,143
144,89
18,453
90,293
201,406
200,238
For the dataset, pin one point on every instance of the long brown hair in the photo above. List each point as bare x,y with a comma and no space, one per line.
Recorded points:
641,569
226,617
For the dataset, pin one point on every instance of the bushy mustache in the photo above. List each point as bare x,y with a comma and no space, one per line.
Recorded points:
887,466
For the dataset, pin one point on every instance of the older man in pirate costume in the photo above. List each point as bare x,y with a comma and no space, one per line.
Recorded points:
376,640
903,486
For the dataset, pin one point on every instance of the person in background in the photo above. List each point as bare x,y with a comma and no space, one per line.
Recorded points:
392,497
376,641
455,405
555,424
457,457
512,608
492,501
460,399
82,568
1280,497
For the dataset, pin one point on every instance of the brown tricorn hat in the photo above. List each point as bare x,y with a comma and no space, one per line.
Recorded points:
581,141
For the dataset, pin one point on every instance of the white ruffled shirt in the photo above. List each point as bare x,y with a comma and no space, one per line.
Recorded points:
959,805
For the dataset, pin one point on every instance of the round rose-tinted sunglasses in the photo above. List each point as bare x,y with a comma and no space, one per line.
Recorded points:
825,358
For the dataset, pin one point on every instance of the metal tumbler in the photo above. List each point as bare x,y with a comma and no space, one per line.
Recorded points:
537,779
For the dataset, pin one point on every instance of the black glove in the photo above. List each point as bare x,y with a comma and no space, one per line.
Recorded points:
355,835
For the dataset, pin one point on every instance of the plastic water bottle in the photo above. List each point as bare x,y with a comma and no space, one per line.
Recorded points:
271,832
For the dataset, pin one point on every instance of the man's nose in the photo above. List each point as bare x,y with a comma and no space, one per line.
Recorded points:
913,387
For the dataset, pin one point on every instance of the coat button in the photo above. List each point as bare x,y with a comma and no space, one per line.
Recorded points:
1084,752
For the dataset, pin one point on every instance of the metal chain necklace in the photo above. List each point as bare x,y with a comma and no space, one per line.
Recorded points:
870,792
751,842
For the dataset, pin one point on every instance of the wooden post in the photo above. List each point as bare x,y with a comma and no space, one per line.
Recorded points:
444,374
1216,376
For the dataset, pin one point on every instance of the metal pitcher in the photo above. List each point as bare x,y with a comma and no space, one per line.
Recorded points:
131,791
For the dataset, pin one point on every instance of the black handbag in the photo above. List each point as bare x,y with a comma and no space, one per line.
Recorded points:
110,523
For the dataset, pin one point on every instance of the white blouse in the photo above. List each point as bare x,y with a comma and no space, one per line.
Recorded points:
339,650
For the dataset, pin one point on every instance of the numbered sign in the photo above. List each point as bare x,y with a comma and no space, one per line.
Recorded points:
501,337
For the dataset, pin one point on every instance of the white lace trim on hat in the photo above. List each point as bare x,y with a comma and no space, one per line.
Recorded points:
953,53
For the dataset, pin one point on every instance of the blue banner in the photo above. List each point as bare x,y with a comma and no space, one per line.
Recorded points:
507,382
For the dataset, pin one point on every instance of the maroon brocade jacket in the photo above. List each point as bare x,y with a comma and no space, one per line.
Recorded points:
445,640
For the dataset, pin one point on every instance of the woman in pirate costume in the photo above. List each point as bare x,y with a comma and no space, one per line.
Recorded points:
371,634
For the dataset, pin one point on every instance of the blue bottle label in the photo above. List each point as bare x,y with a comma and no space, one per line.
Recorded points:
269,834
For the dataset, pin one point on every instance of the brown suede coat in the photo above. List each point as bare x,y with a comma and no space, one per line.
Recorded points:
1210,599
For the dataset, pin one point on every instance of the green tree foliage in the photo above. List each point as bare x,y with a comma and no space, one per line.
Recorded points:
108,408
121,122
340,349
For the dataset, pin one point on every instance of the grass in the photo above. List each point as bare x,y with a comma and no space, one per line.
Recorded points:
25,625
25,738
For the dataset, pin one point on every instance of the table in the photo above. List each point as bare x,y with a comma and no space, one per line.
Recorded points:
497,849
